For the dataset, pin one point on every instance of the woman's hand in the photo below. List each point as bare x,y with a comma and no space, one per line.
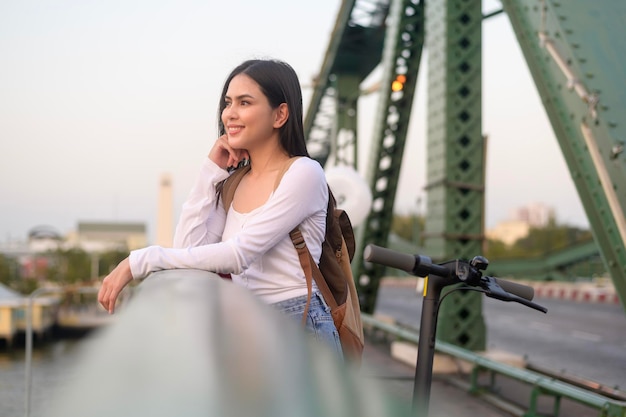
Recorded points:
225,155
113,284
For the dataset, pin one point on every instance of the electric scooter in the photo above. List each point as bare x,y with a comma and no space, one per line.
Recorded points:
438,276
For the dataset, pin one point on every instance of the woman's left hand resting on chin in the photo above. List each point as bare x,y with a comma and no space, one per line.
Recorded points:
113,284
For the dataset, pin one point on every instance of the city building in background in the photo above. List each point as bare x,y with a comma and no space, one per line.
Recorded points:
108,236
522,220
34,257
536,215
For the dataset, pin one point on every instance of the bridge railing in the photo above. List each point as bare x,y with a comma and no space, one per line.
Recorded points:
190,343
541,385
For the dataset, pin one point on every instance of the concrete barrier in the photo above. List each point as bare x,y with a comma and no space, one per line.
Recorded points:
192,344
584,292
579,292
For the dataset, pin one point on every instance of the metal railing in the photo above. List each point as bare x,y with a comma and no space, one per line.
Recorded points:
540,384
29,336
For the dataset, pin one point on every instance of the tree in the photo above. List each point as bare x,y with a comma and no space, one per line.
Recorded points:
70,266
408,227
8,270
110,259
539,241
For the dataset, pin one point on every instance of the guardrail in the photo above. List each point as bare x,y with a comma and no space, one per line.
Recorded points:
29,336
541,385
29,344
193,344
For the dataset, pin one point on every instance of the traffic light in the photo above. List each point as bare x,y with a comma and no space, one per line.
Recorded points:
398,83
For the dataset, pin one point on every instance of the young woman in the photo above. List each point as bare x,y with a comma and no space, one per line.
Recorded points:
260,122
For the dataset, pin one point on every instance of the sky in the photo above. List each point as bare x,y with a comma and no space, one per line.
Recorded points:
99,99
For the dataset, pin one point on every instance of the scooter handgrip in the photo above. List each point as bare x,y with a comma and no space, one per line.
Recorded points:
388,257
521,290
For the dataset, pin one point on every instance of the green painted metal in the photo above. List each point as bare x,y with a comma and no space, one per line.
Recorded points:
566,45
454,226
563,265
576,58
400,62
573,51
540,384
353,52
320,117
344,149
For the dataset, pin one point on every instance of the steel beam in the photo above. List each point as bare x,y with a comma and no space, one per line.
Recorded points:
578,66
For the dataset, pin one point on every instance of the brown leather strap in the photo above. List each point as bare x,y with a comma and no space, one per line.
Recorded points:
284,169
231,183
304,255
311,272
322,285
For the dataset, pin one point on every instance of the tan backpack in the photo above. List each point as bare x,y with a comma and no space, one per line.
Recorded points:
334,274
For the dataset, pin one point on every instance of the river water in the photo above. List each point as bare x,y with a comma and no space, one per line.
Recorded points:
52,367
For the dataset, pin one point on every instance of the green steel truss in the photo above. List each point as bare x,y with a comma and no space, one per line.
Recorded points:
400,62
368,34
456,177
575,53
354,51
455,168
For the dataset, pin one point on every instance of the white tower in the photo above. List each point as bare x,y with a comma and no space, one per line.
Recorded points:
165,227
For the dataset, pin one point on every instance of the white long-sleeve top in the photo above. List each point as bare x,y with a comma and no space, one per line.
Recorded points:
254,247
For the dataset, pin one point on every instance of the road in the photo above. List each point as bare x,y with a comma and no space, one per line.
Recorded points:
582,339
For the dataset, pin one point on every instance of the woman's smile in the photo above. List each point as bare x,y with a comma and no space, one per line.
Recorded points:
234,129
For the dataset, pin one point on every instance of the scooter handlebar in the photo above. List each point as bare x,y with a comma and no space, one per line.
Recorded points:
421,266
388,257
413,264
524,291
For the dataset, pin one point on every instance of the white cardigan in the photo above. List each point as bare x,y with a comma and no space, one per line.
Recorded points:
254,247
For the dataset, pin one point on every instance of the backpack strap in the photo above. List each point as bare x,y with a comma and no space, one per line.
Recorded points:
231,183
312,271
306,263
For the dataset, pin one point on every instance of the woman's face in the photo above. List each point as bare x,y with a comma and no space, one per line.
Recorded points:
248,118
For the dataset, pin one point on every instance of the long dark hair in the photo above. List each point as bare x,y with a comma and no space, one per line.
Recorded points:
280,84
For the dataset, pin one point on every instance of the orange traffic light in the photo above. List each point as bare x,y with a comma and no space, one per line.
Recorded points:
398,83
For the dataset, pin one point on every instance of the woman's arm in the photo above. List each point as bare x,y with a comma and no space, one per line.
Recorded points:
113,284
192,228
202,219
302,193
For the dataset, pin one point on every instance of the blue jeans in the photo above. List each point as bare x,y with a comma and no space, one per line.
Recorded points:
319,321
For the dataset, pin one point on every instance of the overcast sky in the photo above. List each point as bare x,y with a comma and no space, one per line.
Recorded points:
99,98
